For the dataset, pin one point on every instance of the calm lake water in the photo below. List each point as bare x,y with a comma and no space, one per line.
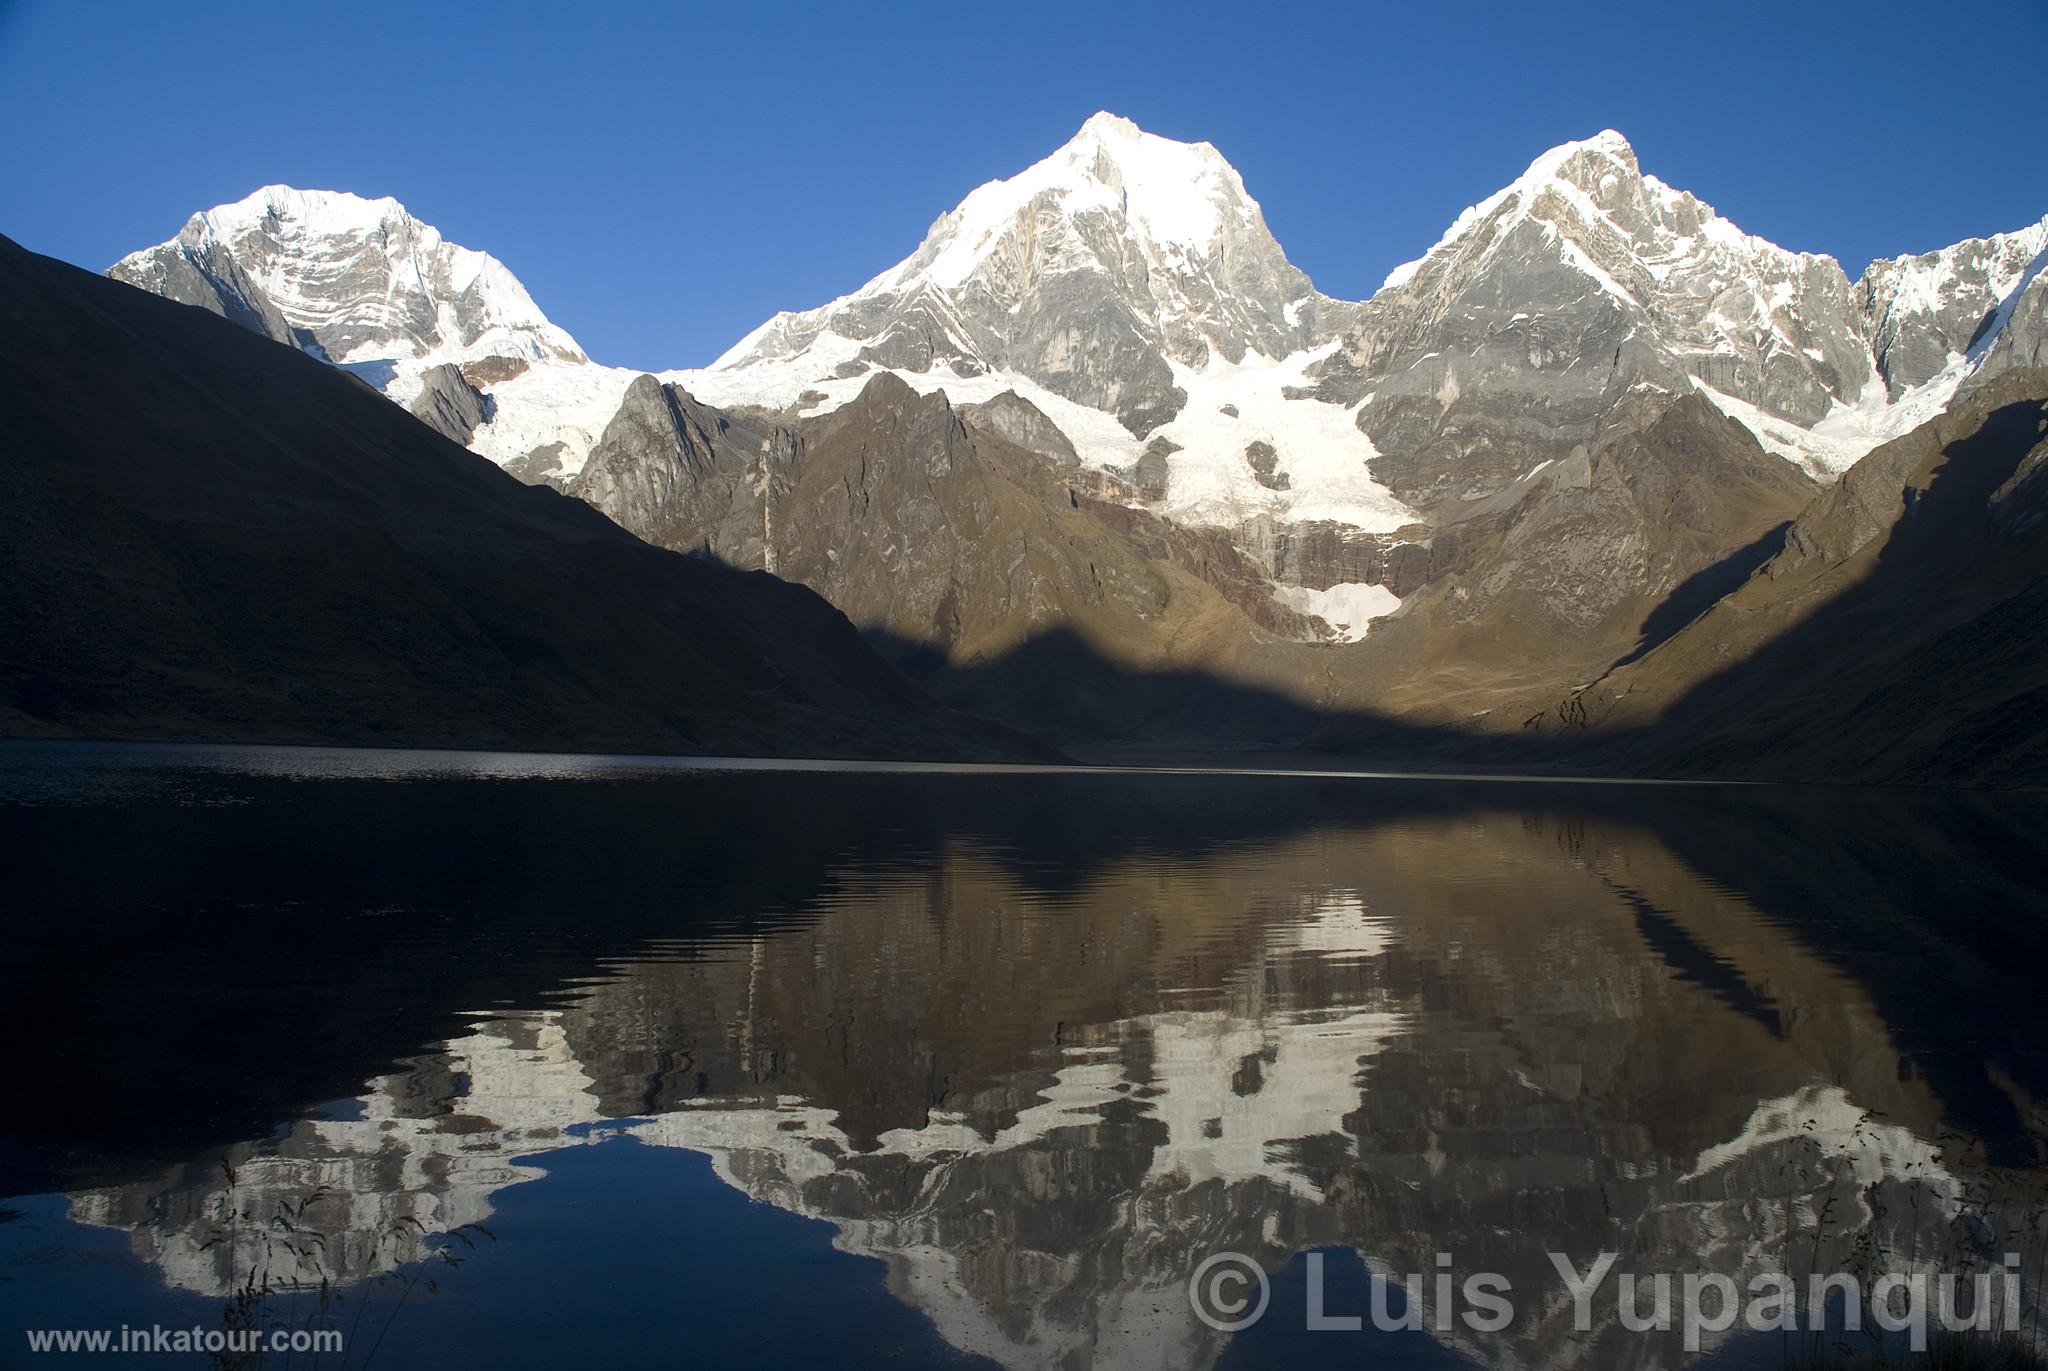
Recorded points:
561,1062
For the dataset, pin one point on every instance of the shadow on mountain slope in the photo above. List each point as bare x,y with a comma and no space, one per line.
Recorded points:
1703,590
1060,686
1901,635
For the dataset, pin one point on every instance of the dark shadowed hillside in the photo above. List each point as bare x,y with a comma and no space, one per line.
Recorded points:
208,536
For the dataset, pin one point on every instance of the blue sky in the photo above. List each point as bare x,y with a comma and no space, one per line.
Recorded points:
663,177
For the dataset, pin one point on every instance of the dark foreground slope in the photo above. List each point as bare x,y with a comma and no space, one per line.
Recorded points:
204,535
1900,635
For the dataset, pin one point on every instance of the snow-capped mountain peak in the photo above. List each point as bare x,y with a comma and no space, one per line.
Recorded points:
305,213
1579,280
360,281
1587,165
1173,197
1627,230
364,284
1093,272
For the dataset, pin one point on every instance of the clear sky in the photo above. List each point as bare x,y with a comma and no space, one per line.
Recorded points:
663,177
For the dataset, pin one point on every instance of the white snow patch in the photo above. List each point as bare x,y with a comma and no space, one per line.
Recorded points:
553,402
1348,607
1848,432
1320,449
1210,481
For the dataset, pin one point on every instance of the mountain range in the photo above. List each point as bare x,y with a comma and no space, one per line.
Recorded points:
1098,461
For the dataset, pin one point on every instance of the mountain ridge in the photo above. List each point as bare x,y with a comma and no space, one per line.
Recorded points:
1114,364
209,538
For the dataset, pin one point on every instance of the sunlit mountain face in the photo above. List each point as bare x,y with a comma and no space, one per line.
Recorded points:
985,1066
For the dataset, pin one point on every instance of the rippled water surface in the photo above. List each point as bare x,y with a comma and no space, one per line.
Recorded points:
540,1062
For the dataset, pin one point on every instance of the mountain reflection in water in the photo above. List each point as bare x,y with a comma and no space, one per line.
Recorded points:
1039,1043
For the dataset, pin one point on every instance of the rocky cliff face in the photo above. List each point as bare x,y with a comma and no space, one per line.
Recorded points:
1927,312
450,405
685,476
2015,337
